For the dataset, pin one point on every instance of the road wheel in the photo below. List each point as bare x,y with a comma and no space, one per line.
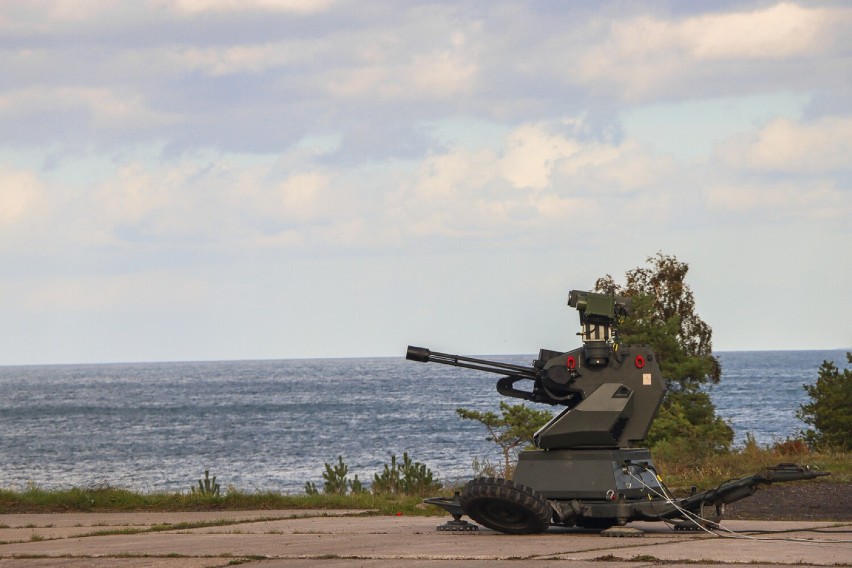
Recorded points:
505,506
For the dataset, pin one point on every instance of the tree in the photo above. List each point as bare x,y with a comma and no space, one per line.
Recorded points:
830,408
663,316
513,428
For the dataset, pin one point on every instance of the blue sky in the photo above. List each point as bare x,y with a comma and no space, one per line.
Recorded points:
224,179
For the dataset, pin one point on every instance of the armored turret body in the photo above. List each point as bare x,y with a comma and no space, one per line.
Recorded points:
588,467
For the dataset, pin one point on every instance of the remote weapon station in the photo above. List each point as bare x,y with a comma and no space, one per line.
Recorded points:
587,469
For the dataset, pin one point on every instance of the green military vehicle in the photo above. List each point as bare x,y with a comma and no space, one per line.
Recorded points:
588,468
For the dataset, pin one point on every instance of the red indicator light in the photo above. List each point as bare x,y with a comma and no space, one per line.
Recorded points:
571,363
640,361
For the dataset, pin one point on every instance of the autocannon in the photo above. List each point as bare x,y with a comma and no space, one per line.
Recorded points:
588,467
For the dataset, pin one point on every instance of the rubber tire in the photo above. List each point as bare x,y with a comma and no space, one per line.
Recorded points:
505,506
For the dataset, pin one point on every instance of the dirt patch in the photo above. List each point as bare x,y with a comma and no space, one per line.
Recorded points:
794,502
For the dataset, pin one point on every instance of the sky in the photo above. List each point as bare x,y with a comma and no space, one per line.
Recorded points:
264,179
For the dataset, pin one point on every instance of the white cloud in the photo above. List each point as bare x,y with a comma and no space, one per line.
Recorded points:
616,169
442,73
535,158
169,203
105,108
780,201
689,130
291,6
784,145
783,171
537,183
454,174
439,74
135,193
246,58
532,154
221,202
304,196
64,18
537,179
22,197
777,32
646,56
37,13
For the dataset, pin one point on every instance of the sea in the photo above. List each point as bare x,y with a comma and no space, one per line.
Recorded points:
272,425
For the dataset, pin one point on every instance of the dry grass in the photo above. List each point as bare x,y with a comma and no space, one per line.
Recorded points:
709,471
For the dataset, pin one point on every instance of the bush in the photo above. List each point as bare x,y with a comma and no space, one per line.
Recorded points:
406,478
687,424
207,486
829,409
336,481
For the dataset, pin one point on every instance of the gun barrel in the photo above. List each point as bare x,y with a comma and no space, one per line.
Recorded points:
423,355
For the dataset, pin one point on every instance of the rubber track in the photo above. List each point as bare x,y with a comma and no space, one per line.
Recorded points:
496,488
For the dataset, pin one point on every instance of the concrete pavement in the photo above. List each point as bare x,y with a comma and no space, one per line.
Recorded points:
351,538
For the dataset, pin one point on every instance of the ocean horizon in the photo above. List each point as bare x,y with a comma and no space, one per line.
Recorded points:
514,356
271,424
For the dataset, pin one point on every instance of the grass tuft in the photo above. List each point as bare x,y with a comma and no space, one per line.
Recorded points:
714,469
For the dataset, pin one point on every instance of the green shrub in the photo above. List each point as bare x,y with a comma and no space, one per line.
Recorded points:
830,408
336,481
688,426
207,486
406,478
